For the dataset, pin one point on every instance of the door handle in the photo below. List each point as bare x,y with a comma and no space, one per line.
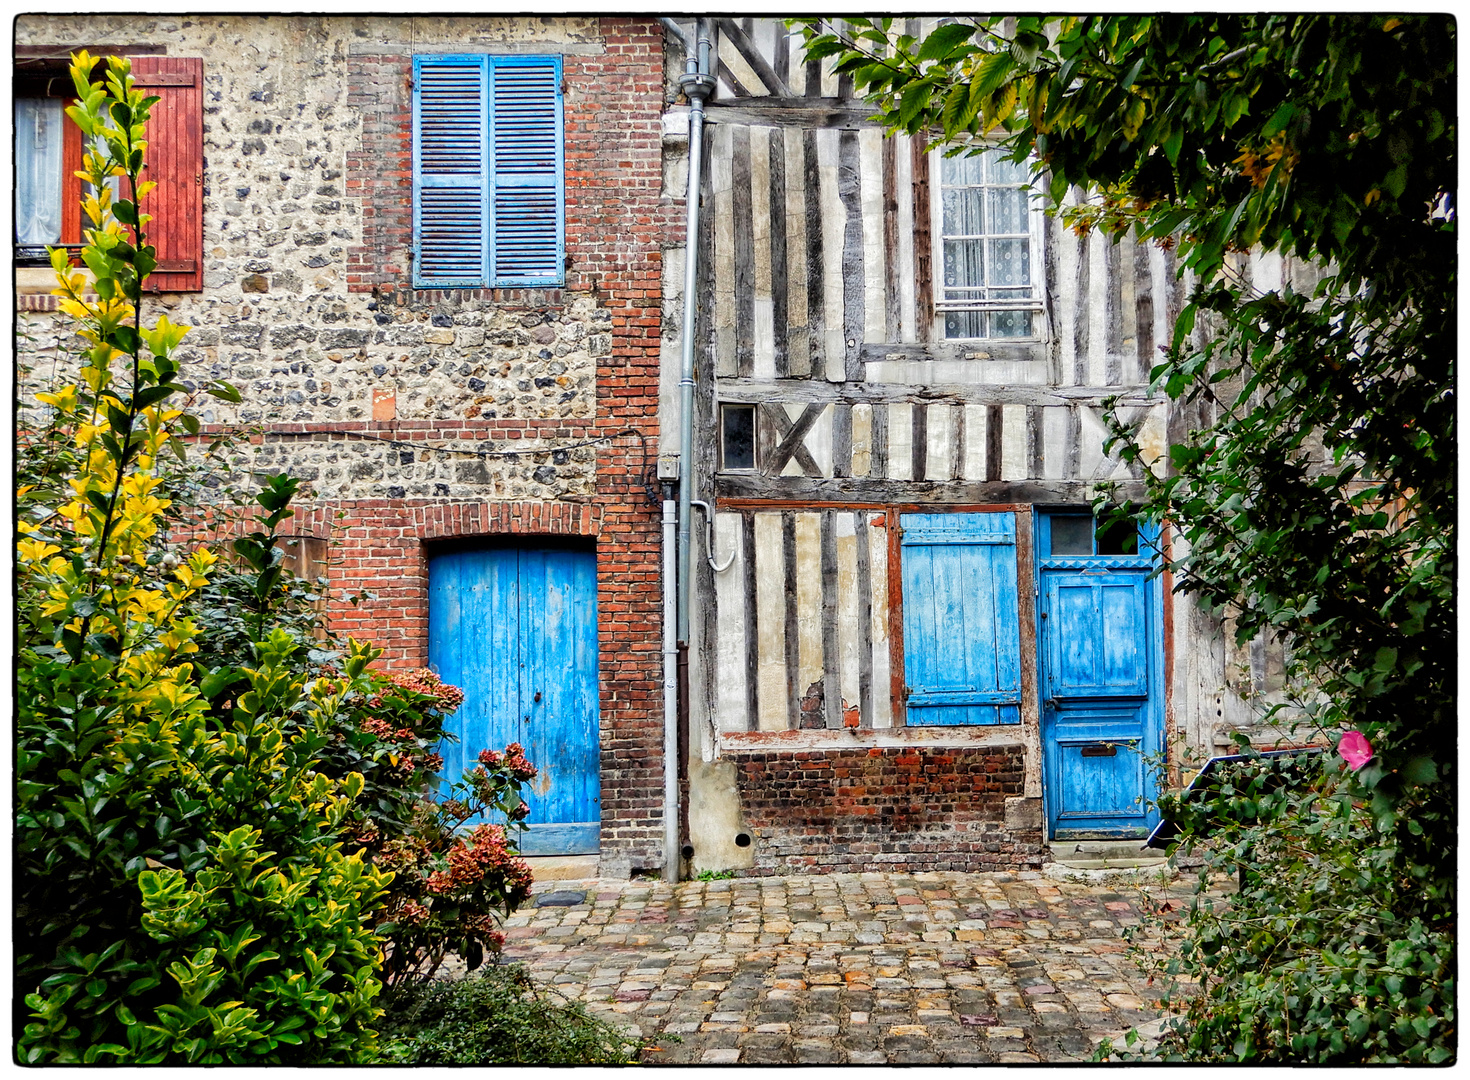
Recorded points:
537,697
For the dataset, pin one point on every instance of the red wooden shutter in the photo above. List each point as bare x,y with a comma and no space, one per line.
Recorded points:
175,161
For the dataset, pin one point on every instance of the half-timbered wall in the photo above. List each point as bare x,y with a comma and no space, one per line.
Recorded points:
818,311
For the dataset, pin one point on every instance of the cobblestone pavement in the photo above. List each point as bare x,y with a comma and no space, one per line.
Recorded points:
851,968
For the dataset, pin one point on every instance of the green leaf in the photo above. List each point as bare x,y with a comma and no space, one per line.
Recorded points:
224,391
944,40
993,71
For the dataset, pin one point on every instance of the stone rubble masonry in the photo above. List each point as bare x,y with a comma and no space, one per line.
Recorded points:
308,308
882,808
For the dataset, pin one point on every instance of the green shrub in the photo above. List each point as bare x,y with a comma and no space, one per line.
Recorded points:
181,892
497,1017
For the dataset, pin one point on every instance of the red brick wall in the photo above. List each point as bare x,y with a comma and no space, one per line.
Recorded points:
616,223
868,809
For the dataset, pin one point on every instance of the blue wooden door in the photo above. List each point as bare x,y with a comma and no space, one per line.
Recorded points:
516,630
961,636
1101,701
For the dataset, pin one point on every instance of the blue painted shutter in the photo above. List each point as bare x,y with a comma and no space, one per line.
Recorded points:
527,137
961,629
451,167
487,168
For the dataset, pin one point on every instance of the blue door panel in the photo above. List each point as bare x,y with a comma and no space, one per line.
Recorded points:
962,649
516,630
1102,693
1101,784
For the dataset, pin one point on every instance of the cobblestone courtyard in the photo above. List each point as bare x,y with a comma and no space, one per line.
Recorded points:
850,968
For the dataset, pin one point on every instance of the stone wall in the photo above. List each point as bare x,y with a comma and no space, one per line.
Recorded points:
416,414
881,808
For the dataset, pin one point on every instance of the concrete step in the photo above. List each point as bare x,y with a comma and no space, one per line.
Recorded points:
545,868
1100,860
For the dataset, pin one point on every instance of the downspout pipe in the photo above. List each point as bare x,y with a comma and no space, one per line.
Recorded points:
697,84
671,693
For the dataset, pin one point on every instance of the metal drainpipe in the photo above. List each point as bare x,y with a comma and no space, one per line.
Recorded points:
697,84
671,695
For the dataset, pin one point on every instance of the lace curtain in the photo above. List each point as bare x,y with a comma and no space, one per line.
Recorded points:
38,170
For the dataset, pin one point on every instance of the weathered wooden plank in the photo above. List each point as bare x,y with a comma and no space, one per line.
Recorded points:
1081,326
919,442
841,440
772,82
1143,276
809,606
729,78
1073,468
993,436
797,492
864,591
1113,370
849,190
956,442
849,630
881,686
721,238
1036,441
744,234
895,621
1030,697
891,260
923,250
781,56
816,277
791,435
776,186
831,676
879,467
792,643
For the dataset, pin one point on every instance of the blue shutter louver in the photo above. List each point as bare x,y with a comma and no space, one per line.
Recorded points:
487,166
528,171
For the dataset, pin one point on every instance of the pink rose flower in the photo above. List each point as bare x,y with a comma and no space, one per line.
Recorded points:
1355,750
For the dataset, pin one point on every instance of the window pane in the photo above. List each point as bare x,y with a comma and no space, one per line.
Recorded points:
1007,172
1118,538
963,262
1011,324
38,170
1007,210
739,442
964,324
1071,536
964,211
1010,262
960,170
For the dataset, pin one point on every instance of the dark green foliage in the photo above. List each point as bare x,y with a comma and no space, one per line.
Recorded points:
497,1017
1311,493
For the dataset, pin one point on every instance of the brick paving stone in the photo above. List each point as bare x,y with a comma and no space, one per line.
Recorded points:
872,968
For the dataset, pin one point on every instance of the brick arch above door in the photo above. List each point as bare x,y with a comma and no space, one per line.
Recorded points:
378,546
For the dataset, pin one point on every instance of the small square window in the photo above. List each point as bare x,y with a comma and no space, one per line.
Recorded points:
737,437
1076,534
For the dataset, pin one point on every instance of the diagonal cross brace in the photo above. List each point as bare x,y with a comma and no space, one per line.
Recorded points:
793,438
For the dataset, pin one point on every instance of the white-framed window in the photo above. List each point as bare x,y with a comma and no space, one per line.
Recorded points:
989,275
